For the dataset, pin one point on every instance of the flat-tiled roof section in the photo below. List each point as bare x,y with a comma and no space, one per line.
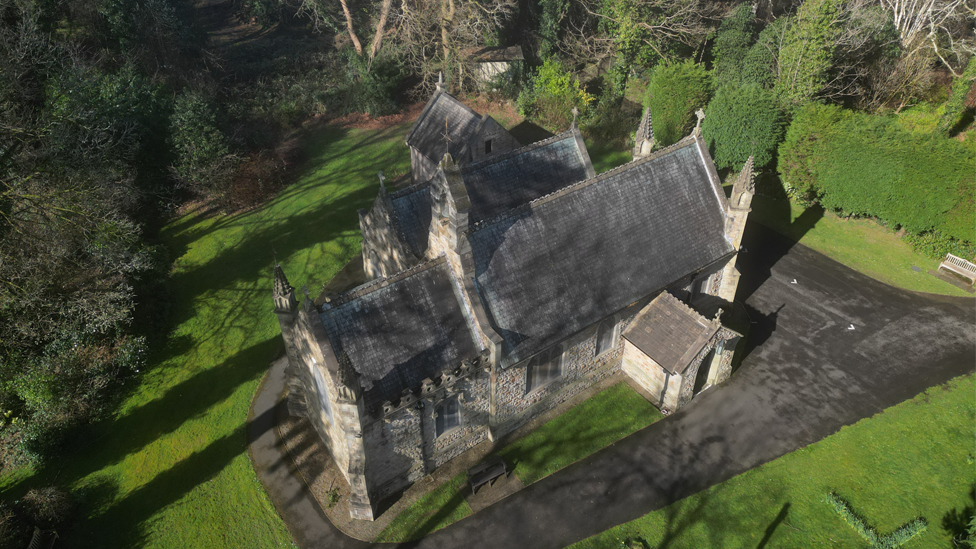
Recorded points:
499,184
412,206
572,258
445,125
398,331
667,329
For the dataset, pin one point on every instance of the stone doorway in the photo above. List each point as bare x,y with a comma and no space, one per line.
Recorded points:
701,380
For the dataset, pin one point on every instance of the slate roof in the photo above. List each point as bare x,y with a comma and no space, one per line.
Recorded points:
427,133
670,332
498,184
567,260
412,206
400,330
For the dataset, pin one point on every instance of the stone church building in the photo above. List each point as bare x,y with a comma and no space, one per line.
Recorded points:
505,280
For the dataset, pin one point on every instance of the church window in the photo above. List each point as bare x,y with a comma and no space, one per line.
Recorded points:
447,415
544,368
487,146
323,391
604,336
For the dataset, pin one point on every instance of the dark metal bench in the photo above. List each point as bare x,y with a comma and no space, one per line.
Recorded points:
486,473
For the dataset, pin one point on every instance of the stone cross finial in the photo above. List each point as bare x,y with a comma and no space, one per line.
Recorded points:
305,291
718,314
440,81
701,116
382,179
575,112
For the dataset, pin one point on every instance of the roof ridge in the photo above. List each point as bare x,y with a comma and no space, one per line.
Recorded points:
516,152
409,189
381,283
568,189
684,307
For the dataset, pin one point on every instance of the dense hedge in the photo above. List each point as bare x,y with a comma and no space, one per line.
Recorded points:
673,94
743,121
867,165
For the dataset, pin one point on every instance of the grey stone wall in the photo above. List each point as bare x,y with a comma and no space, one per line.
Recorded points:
384,253
581,368
501,141
402,446
421,169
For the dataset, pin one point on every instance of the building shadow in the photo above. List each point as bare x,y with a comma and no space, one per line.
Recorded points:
527,133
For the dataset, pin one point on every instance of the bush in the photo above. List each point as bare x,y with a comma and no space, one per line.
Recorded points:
48,508
732,44
868,165
203,160
743,121
807,52
956,107
891,541
675,92
553,95
801,153
510,83
759,65
936,244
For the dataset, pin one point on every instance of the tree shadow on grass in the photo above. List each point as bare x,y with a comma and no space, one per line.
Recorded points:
956,522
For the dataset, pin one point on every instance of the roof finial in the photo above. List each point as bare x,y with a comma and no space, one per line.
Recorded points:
382,179
701,116
440,81
718,314
575,112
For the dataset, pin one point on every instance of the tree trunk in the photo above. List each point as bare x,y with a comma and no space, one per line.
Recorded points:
352,32
380,28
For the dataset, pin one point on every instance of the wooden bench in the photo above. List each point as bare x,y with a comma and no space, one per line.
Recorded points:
960,267
486,473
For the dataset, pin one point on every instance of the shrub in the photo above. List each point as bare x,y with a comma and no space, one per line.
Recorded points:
802,150
203,159
675,92
743,121
732,44
370,86
956,107
936,244
49,507
891,541
806,54
759,65
554,93
868,165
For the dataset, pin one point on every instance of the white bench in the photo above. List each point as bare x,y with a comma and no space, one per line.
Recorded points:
959,266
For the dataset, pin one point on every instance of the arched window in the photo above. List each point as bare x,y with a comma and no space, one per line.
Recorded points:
448,415
604,336
544,368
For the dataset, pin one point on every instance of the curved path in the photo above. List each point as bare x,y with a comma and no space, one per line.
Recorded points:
806,375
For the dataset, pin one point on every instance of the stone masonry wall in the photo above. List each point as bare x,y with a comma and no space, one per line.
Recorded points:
651,376
515,405
402,447
384,254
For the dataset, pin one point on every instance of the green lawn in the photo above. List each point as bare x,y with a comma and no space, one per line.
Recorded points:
912,460
599,421
171,469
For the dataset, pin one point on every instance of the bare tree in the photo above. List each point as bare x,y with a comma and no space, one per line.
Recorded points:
930,24
437,35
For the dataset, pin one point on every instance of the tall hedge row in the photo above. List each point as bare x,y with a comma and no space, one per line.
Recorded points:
867,165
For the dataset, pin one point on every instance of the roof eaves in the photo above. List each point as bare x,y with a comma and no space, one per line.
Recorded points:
381,283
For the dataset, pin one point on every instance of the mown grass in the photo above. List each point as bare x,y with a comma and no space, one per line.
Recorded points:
912,460
171,469
599,421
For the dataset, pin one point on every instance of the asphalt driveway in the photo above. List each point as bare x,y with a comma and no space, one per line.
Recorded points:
828,347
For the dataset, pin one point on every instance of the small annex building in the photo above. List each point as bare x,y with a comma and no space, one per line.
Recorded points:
505,280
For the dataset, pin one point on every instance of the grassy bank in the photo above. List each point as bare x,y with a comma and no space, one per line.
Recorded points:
599,421
912,460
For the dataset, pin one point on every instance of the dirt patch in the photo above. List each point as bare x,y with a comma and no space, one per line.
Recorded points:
363,121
